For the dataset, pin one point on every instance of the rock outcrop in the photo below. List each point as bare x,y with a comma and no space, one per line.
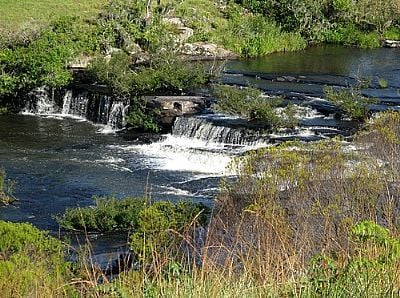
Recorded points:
205,51
174,106
388,43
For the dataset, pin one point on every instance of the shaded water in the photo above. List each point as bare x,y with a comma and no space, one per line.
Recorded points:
60,162
308,71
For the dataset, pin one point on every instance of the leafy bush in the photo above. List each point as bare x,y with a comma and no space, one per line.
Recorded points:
32,262
44,60
108,214
254,35
350,102
111,214
320,20
249,103
371,268
6,189
161,223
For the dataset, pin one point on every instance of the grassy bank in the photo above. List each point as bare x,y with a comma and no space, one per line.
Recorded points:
18,15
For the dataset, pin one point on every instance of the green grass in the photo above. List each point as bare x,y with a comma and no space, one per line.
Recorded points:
19,14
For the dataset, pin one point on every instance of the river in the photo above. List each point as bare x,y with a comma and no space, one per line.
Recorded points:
59,161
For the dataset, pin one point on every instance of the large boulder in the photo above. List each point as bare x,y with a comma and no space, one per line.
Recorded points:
174,106
391,43
205,50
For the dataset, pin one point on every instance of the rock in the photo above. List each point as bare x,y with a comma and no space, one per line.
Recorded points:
388,43
81,62
132,48
174,106
184,33
206,50
174,21
110,52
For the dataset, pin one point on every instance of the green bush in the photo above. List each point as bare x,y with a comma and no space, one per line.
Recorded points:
108,214
371,269
32,262
6,188
45,59
351,35
350,102
111,214
161,225
249,103
254,35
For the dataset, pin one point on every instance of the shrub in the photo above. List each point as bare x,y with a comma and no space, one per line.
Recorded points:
108,214
371,268
6,188
253,35
350,102
249,103
111,214
161,225
32,262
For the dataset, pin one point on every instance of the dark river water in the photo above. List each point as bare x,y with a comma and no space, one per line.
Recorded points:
60,162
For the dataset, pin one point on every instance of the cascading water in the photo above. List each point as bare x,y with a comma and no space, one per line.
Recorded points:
66,102
202,144
41,102
218,129
96,107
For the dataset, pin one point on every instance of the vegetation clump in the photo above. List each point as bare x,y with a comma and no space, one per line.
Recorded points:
360,23
249,103
111,214
350,102
32,262
6,189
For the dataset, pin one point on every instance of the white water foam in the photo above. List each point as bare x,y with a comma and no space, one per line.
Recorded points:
185,155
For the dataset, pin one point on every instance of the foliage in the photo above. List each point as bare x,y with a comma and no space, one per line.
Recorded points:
124,23
6,188
161,223
351,35
108,214
143,118
253,35
350,102
32,263
44,61
111,214
327,20
23,21
249,103
374,261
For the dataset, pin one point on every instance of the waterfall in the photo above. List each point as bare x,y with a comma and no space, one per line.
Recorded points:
218,129
203,144
117,115
41,102
96,107
66,102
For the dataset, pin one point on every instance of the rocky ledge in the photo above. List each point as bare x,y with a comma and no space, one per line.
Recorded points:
388,43
205,51
174,106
